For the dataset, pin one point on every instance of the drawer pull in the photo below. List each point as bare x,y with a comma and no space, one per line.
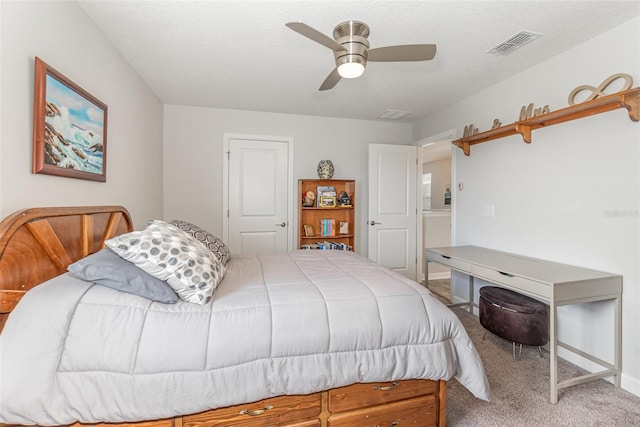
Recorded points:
387,387
505,274
444,256
256,412
393,423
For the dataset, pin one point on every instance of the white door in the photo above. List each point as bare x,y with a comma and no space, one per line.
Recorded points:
392,207
258,194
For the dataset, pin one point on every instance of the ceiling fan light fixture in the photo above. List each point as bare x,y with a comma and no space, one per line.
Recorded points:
350,70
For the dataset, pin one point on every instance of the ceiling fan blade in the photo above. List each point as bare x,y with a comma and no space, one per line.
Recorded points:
331,80
408,52
315,35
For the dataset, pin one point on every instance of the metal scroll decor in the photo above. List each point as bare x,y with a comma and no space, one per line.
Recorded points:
598,92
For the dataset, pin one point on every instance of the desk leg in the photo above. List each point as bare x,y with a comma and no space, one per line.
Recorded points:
553,351
470,296
425,282
617,340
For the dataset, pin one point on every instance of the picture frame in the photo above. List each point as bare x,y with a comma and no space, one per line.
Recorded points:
309,231
69,128
344,227
327,202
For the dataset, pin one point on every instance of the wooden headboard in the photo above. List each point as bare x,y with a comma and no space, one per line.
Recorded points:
38,244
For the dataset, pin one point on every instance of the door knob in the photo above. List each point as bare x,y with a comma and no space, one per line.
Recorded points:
374,223
282,224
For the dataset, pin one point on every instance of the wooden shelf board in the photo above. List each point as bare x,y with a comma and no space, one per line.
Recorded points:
337,236
312,208
629,99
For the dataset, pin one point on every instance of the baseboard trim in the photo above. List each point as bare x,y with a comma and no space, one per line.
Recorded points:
630,384
440,276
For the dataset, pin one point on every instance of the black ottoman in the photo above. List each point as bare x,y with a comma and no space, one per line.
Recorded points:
513,316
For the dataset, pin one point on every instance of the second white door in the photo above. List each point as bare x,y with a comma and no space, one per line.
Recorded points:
258,201
392,207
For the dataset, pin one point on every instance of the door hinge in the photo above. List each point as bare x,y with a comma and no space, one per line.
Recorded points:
228,155
227,213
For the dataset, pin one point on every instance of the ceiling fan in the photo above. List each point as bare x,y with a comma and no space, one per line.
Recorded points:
351,50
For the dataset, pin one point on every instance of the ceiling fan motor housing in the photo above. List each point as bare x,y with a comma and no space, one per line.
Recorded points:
352,35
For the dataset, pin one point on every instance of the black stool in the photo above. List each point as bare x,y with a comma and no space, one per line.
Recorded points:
515,317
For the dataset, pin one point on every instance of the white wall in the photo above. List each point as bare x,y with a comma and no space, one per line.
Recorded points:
572,195
193,156
63,36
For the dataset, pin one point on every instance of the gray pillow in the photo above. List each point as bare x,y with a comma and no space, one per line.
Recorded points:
106,268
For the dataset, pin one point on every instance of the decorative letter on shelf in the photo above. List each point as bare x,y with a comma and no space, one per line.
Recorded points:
598,92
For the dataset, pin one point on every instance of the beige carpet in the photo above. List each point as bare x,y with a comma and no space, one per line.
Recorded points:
520,391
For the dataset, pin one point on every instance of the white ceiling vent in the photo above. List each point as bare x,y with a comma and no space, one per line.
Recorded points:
393,114
514,42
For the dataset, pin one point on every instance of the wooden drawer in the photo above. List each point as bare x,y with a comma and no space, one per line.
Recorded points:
369,394
418,412
450,262
310,423
520,284
279,411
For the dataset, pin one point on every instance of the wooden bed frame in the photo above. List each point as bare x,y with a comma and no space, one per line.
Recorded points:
38,244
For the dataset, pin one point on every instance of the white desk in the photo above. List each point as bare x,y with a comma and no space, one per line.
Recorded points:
557,284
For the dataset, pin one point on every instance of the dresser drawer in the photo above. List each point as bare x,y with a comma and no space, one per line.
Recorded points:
310,423
369,394
517,283
274,411
418,412
445,260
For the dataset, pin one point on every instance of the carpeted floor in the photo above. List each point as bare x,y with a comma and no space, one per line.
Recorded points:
520,391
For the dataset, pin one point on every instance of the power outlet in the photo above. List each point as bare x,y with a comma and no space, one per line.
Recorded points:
489,211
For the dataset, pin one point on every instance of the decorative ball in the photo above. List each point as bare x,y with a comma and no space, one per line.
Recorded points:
325,169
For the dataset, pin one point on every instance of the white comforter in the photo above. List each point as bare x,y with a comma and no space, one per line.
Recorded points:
279,324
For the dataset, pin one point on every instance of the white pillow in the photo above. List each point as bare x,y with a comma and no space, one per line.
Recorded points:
168,253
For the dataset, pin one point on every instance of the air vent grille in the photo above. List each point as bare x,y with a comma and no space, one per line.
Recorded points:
514,42
393,114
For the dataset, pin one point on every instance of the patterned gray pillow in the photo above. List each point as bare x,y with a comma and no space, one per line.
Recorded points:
215,245
170,254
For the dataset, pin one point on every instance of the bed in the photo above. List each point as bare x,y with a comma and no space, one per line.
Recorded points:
309,338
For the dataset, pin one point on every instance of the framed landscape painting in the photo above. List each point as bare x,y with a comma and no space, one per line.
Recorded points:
69,128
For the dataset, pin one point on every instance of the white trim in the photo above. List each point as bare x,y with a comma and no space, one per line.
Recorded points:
419,248
631,384
440,276
449,135
225,180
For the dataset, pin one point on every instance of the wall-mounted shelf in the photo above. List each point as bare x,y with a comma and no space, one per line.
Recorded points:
629,99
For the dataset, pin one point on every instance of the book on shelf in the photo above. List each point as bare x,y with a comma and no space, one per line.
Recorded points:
328,227
335,246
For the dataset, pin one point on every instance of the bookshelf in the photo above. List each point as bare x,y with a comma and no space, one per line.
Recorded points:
325,215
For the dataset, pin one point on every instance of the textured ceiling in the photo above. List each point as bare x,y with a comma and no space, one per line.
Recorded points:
239,54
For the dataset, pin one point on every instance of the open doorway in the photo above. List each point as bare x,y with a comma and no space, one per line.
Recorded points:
438,204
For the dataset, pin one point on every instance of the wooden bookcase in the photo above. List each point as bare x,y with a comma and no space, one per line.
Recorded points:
313,215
